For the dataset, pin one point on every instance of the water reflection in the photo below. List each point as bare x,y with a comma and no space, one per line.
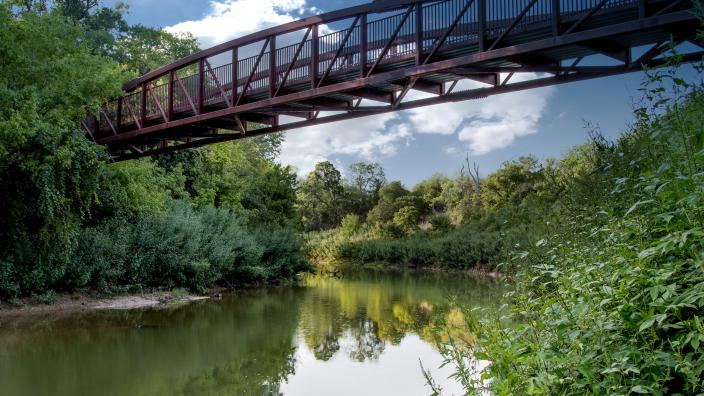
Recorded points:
330,336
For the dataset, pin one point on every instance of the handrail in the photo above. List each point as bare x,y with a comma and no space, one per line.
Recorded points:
350,12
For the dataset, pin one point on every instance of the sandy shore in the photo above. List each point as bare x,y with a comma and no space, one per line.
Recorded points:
68,303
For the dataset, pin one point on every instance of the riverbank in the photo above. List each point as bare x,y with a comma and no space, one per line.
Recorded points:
340,267
73,302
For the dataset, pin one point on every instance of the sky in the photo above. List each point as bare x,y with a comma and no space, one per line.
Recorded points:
415,144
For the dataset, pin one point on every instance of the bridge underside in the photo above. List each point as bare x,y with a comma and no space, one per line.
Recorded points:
449,50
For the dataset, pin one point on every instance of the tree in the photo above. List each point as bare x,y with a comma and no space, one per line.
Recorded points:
384,210
143,49
321,197
49,81
406,219
366,181
513,182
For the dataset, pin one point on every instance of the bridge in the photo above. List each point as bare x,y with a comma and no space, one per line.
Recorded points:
365,60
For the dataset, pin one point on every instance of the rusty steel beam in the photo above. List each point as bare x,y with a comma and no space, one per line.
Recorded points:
293,61
441,40
586,16
186,94
254,70
217,83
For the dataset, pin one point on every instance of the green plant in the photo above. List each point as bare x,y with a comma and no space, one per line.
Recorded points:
610,299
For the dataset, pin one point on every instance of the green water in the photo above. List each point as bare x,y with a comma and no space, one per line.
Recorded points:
361,335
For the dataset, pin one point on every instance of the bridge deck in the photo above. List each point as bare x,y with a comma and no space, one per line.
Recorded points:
387,49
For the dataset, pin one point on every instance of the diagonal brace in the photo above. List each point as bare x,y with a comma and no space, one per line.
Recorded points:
447,32
586,16
254,70
338,52
156,101
390,42
513,24
293,61
217,83
185,92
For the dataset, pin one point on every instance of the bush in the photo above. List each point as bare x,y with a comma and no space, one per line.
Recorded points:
441,223
182,247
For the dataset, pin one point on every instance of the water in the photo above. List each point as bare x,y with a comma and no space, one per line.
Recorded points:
361,335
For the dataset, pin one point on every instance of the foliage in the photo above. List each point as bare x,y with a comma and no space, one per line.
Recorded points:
182,247
72,220
320,197
406,219
460,249
610,300
441,223
48,169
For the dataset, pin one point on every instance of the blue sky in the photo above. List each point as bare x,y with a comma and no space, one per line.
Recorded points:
414,145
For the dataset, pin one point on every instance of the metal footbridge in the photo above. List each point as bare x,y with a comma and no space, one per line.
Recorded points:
365,60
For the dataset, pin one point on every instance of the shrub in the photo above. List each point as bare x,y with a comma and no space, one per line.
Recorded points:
183,247
441,223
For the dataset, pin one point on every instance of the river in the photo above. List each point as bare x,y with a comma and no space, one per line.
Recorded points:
363,334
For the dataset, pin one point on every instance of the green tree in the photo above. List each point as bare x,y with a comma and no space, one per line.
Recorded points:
49,81
406,219
321,197
366,179
143,49
513,182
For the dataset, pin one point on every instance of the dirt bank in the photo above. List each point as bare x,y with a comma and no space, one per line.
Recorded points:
78,302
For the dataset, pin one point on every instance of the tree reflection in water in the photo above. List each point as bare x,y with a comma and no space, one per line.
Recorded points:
371,310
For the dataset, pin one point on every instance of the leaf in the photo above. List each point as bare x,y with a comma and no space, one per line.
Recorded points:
640,389
648,323
647,253
638,204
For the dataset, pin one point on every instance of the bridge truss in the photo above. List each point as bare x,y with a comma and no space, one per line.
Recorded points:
302,74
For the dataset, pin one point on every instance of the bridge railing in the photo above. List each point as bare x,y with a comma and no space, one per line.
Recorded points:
419,30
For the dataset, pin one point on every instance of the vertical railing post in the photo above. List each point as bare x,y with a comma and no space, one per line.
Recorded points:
641,9
201,85
419,33
272,66
481,14
555,18
363,45
170,86
143,105
314,65
118,123
235,76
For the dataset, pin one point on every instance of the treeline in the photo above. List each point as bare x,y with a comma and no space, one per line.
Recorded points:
450,222
70,220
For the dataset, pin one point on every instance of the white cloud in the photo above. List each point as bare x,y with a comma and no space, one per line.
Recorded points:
483,125
228,19
370,138
486,124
